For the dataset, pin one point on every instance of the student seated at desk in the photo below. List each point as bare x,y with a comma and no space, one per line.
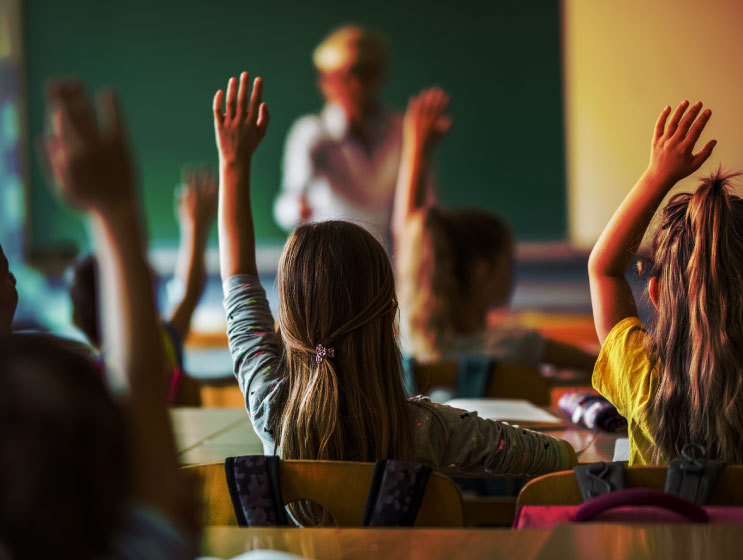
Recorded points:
84,474
680,382
455,266
197,206
329,385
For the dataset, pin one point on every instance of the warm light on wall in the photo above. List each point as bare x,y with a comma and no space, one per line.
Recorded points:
623,62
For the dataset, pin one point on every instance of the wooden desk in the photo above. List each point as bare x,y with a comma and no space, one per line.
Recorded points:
206,435
589,542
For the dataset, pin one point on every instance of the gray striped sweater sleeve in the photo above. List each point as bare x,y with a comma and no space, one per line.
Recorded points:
255,349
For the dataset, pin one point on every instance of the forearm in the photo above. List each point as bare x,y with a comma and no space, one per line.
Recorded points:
236,231
191,273
410,193
618,244
134,342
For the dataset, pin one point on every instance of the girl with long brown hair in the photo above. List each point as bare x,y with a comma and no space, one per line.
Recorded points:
680,383
328,385
455,266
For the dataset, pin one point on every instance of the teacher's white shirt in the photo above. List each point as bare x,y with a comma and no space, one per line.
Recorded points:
339,177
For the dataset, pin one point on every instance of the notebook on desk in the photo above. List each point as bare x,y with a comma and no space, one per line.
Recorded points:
513,411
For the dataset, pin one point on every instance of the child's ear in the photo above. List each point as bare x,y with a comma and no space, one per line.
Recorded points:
654,291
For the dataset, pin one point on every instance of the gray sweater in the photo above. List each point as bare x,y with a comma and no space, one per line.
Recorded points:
452,441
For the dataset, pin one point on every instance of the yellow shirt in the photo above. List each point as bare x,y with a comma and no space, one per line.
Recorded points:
626,376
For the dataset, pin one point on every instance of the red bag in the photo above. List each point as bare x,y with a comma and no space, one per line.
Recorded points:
636,505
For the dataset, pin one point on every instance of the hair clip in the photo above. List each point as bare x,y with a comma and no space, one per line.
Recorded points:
322,353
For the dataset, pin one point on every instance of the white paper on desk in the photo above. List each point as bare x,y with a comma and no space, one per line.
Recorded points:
621,449
509,410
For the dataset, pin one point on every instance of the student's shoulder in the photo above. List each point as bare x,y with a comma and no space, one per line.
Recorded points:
627,335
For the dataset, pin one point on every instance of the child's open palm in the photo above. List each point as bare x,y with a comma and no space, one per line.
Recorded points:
425,122
242,125
672,154
88,157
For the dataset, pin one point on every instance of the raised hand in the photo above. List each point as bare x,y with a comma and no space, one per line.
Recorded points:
87,155
242,125
672,154
425,122
197,200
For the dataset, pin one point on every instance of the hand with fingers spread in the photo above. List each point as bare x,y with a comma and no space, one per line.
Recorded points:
87,155
425,122
672,154
197,200
242,125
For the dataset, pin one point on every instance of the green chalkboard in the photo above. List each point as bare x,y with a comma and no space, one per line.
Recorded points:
500,60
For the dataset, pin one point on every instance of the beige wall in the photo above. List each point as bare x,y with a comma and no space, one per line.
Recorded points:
624,61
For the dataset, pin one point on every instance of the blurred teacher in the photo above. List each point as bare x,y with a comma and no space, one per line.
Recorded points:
343,163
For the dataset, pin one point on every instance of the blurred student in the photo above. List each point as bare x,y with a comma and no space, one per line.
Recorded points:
329,385
83,474
342,163
679,382
197,206
455,266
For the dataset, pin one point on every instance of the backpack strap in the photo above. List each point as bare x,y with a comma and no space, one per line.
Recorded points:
473,375
692,478
255,490
395,494
600,478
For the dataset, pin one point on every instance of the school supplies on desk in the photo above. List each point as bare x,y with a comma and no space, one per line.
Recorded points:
514,411
592,411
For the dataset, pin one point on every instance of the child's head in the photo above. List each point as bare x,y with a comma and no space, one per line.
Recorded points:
8,294
84,296
336,289
63,469
455,265
351,63
695,282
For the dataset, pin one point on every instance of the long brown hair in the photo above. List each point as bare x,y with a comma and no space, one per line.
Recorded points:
336,289
697,259
436,257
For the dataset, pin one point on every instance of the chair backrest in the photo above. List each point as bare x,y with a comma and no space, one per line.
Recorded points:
561,488
506,381
221,393
341,487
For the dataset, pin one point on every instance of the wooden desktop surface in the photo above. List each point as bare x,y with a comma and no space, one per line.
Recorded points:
206,435
575,542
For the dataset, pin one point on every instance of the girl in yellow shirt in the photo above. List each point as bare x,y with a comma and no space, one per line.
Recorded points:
682,382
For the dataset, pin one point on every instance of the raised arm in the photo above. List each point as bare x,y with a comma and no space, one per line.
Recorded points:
423,125
91,163
197,206
239,129
672,158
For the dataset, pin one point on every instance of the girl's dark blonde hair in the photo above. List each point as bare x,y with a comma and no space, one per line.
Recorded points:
697,339
336,289
436,255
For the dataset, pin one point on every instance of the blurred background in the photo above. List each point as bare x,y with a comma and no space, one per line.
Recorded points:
553,103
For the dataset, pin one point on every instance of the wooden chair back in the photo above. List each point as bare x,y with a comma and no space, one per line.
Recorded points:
341,487
562,488
507,381
221,393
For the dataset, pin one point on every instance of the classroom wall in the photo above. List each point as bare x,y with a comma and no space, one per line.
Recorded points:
500,60
623,62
